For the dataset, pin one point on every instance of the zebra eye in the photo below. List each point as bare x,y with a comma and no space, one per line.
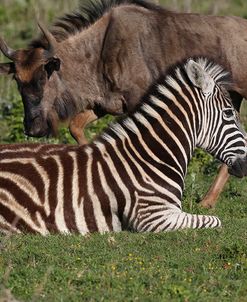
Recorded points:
228,113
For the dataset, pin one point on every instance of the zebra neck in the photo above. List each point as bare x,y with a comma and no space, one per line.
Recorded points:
153,136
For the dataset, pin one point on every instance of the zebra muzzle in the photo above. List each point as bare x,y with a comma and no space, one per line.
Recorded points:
239,167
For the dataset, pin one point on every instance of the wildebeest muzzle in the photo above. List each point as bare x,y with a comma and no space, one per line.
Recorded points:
36,126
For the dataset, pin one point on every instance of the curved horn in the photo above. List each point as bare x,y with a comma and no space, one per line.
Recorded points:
8,52
50,39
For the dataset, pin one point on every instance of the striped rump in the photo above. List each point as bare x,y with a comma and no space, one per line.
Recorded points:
132,176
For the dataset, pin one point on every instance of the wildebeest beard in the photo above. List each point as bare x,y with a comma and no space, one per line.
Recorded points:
64,108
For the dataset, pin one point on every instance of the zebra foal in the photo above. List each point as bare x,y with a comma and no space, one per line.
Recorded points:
132,176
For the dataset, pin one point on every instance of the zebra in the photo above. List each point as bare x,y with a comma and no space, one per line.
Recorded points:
131,176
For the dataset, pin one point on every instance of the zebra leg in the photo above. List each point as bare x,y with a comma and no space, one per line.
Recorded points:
171,221
210,199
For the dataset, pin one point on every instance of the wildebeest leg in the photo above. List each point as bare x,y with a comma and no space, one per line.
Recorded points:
221,179
216,188
78,123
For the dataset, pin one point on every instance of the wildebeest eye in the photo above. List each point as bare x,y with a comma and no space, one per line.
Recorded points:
228,113
52,65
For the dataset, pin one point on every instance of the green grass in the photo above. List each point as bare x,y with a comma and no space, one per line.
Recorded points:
181,266
188,265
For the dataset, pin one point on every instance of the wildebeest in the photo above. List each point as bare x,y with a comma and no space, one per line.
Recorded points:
132,176
104,57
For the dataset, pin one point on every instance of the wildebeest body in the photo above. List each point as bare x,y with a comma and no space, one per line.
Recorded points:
162,39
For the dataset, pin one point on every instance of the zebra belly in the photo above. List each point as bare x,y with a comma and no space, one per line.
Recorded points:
84,217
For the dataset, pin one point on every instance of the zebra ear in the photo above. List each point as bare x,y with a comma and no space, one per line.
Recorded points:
199,77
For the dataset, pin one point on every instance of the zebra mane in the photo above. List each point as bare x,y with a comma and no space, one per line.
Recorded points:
220,76
88,13
216,71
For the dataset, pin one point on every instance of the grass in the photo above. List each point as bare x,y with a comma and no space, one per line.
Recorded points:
128,267
188,265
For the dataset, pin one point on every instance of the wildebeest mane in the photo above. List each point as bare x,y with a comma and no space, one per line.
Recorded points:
88,13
